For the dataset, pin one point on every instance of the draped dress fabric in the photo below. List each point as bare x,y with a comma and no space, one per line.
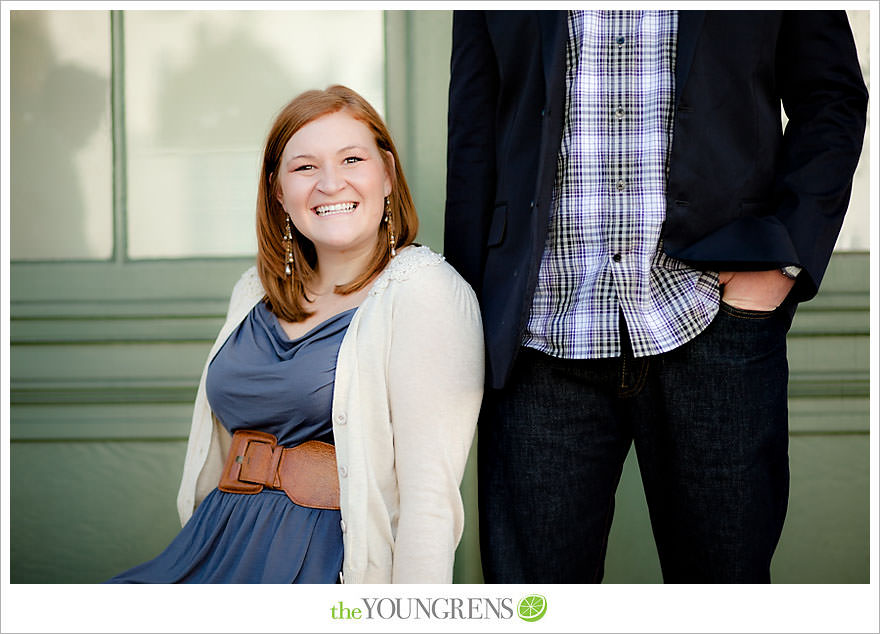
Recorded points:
261,379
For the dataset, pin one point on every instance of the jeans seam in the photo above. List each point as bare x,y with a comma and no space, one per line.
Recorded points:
638,384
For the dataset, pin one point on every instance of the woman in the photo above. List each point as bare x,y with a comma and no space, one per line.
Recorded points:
345,334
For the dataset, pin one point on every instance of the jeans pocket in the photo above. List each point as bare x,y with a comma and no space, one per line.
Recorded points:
746,313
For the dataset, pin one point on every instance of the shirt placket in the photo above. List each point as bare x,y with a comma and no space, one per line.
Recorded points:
597,305
623,221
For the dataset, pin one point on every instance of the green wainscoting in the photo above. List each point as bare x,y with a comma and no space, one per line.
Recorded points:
105,359
101,399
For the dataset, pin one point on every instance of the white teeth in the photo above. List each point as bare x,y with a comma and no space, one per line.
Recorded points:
336,208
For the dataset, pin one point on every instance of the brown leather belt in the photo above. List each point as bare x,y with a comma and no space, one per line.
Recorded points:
306,473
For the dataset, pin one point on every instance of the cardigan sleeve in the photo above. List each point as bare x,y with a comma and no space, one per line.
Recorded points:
208,442
435,385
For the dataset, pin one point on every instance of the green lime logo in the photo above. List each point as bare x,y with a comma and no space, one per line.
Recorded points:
532,608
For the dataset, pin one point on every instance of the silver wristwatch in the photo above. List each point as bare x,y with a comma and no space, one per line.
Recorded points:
791,272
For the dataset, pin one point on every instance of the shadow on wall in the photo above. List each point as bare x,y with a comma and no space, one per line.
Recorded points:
54,109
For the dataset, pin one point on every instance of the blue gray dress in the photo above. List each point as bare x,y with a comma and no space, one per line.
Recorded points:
261,379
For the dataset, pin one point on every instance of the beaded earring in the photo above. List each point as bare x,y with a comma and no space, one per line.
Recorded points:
392,241
287,239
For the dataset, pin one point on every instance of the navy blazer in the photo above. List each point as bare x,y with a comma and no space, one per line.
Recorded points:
741,193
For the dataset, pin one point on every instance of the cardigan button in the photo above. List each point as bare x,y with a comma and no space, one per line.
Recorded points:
341,418
343,471
342,525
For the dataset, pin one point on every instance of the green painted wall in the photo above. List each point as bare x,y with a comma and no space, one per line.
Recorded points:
105,357
100,406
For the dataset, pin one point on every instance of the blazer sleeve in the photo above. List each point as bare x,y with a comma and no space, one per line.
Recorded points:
825,99
470,150
435,388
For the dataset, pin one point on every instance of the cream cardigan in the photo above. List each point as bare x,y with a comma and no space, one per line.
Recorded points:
409,382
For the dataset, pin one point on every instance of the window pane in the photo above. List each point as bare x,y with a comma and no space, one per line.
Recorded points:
61,154
202,88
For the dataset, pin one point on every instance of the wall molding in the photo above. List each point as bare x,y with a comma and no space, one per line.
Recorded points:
127,364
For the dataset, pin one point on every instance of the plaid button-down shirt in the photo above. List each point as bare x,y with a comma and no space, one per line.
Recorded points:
603,254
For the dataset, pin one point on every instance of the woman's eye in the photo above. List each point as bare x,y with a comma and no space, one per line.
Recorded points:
351,160
303,168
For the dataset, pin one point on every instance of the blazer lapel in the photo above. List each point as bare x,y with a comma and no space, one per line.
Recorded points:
690,23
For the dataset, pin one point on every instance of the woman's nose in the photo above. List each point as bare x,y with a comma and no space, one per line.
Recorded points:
330,180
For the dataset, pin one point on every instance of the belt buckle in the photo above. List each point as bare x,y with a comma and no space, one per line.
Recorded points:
251,463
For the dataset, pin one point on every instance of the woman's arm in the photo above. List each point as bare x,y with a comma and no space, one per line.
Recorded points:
208,441
435,390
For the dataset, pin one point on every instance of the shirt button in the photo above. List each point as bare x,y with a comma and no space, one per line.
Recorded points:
619,112
343,471
621,40
341,418
621,185
342,525
616,257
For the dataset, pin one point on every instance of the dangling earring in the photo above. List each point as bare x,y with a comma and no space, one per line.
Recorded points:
287,239
391,240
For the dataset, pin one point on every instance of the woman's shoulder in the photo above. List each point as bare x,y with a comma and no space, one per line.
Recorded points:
248,288
418,268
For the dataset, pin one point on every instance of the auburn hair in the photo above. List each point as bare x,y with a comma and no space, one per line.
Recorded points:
286,295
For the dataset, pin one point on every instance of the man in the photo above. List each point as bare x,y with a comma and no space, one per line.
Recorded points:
639,229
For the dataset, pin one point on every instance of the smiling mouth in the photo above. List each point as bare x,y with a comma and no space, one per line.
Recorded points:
336,208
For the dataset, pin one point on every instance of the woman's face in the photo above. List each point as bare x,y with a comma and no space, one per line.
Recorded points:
333,184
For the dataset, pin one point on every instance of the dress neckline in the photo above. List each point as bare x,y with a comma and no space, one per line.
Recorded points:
276,323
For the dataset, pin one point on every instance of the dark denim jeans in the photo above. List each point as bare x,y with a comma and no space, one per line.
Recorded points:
710,425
